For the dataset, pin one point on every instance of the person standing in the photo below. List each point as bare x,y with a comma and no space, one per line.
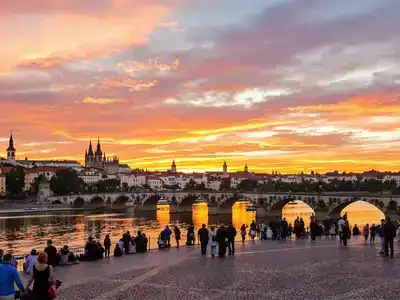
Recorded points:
190,235
231,234
372,230
253,230
42,276
107,246
8,276
340,228
213,241
382,236
127,239
51,252
389,231
346,233
313,229
204,237
366,232
177,233
243,232
285,229
167,237
222,240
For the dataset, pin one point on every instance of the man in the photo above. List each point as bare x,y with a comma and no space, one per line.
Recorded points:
389,231
231,234
313,229
167,237
51,253
285,229
340,228
127,239
382,236
222,240
203,236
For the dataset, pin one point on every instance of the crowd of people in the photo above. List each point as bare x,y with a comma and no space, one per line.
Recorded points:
40,265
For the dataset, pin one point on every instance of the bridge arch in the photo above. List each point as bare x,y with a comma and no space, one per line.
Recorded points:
152,200
56,202
188,200
96,201
121,200
78,202
375,207
230,201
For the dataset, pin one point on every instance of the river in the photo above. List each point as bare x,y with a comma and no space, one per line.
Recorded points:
23,233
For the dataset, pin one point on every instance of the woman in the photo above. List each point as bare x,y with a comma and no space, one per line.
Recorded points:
8,276
64,256
366,232
213,241
243,232
177,233
30,262
332,231
43,278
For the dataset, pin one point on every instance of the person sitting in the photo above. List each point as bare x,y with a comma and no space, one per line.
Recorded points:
132,247
121,244
99,250
356,231
117,251
30,262
140,243
64,256
90,251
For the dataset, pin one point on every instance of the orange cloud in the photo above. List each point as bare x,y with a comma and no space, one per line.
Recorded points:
91,100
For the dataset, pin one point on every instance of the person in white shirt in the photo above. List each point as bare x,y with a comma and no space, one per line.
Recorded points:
340,228
213,241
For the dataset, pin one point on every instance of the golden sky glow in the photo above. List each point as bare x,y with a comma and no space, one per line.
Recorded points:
156,81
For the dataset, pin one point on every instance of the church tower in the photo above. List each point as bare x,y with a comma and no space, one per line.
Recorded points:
11,150
173,166
246,169
225,168
99,153
89,155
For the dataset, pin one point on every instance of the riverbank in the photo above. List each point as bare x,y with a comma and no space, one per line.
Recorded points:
286,268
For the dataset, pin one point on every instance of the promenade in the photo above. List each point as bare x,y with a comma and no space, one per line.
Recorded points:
260,270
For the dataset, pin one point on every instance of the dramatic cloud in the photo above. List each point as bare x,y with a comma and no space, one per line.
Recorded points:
280,85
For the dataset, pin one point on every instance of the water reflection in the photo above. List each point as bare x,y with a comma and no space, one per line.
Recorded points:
22,233
200,214
240,215
361,213
295,209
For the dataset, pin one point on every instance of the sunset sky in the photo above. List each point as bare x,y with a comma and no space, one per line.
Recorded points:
278,84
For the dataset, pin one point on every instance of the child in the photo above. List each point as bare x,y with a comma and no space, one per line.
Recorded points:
269,233
213,241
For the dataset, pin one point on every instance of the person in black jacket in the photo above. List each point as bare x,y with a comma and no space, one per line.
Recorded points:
203,237
222,240
231,234
389,231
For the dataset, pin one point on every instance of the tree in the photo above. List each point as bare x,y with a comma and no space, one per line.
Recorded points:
392,206
108,185
191,185
15,181
66,181
248,185
225,184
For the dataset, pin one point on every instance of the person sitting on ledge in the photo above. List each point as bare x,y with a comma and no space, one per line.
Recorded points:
117,251
30,262
140,243
99,250
356,231
90,251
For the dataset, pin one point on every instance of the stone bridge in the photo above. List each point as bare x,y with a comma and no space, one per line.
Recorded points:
328,204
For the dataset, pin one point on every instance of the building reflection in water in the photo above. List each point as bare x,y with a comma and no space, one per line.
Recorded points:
295,209
163,214
240,215
361,213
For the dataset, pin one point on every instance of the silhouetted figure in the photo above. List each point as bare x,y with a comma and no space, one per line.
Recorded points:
204,237
231,234
222,239
389,231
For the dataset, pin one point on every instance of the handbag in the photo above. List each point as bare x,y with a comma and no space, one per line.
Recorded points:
52,291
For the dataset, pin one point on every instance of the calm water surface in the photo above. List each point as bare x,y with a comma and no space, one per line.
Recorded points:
23,233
